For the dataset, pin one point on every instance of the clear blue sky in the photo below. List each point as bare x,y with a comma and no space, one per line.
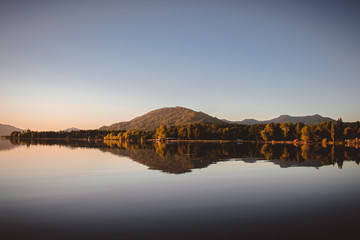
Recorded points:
93,63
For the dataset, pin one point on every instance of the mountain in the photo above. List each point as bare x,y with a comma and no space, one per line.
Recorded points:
313,119
71,129
5,130
249,121
169,116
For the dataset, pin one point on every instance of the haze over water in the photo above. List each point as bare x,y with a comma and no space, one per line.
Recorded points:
73,190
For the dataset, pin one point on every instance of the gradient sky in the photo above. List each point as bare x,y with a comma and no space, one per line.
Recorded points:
92,63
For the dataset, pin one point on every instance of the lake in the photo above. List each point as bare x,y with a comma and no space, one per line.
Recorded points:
110,190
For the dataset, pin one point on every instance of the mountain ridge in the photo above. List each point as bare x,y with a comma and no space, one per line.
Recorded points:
308,119
169,116
173,116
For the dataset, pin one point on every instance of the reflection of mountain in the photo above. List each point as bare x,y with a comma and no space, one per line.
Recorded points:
6,145
183,157
174,158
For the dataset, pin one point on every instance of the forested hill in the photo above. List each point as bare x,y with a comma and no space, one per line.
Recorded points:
313,119
169,116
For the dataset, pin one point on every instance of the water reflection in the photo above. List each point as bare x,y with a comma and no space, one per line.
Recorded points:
56,192
178,158
6,145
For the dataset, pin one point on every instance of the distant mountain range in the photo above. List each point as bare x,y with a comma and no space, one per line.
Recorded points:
313,119
171,116
5,130
71,129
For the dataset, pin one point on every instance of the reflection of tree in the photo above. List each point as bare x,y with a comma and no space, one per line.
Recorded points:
266,150
306,152
183,157
286,155
160,148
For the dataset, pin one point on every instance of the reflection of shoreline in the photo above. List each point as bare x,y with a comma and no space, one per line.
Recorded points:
182,157
348,143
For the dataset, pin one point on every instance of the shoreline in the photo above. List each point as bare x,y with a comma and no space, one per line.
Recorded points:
346,143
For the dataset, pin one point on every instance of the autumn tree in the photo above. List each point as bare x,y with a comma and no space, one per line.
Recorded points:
266,134
285,128
298,129
271,132
190,134
306,134
161,133
182,132
333,130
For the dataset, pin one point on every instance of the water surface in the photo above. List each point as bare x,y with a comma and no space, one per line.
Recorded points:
112,190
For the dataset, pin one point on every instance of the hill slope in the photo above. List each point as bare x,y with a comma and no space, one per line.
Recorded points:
5,130
314,119
169,116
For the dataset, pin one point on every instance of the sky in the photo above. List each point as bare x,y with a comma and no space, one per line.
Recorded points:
86,64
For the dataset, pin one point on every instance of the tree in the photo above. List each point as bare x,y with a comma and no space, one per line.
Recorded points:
182,132
333,131
198,132
267,133
298,129
348,133
161,133
306,134
285,128
271,132
340,129
190,134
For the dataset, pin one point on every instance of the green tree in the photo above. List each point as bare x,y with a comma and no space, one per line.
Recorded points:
198,132
356,130
340,129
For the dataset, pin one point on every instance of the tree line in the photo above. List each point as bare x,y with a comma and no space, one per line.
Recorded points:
81,134
323,132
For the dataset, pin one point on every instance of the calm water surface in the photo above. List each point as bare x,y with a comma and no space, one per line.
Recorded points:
111,190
